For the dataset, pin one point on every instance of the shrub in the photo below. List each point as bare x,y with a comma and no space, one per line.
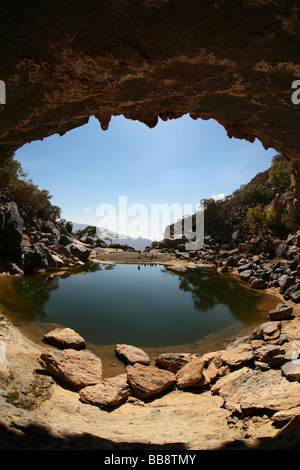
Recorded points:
260,218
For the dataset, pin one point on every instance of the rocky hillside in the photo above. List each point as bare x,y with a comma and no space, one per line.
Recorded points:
254,232
36,245
31,238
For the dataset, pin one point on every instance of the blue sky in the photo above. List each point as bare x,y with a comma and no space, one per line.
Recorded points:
178,162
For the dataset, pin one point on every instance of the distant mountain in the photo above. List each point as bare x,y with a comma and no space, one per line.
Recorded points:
78,226
136,243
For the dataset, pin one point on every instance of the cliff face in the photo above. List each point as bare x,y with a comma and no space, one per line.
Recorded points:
232,61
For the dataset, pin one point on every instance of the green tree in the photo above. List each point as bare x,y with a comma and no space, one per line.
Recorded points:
281,172
254,194
10,172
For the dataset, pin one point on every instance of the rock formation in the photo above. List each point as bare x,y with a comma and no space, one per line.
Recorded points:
236,62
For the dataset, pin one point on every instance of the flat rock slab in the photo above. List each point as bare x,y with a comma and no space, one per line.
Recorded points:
147,381
132,354
281,312
237,355
110,392
246,390
77,368
64,338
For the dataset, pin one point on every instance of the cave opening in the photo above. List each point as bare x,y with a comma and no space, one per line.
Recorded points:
177,163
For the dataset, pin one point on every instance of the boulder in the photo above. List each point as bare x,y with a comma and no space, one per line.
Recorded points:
245,267
11,231
291,370
13,268
81,251
277,361
295,296
281,312
66,239
245,275
63,250
34,258
173,361
216,368
147,381
69,227
90,241
258,284
286,415
65,338
284,282
110,392
238,355
53,260
132,354
191,373
268,331
247,390
265,353
50,228
40,257
77,368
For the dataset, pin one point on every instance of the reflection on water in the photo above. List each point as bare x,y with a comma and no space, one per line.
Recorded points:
144,305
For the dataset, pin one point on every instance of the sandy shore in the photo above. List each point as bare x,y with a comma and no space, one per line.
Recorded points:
115,255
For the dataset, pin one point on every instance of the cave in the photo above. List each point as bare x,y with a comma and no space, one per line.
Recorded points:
236,62
233,61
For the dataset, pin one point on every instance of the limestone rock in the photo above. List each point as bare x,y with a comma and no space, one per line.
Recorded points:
132,354
265,353
247,390
110,392
77,368
238,355
64,338
291,370
286,415
216,368
268,331
281,312
191,373
147,381
173,361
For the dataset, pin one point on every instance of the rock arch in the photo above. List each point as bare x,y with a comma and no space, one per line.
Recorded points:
233,61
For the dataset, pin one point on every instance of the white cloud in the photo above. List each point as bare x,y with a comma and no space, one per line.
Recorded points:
87,209
217,197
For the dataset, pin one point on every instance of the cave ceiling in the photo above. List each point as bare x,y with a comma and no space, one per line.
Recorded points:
233,61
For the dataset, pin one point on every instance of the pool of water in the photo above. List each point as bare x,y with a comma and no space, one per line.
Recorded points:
144,305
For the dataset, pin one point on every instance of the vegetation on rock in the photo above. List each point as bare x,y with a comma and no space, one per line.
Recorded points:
266,202
29,198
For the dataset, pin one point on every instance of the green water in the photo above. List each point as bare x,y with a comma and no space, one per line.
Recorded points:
144,305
